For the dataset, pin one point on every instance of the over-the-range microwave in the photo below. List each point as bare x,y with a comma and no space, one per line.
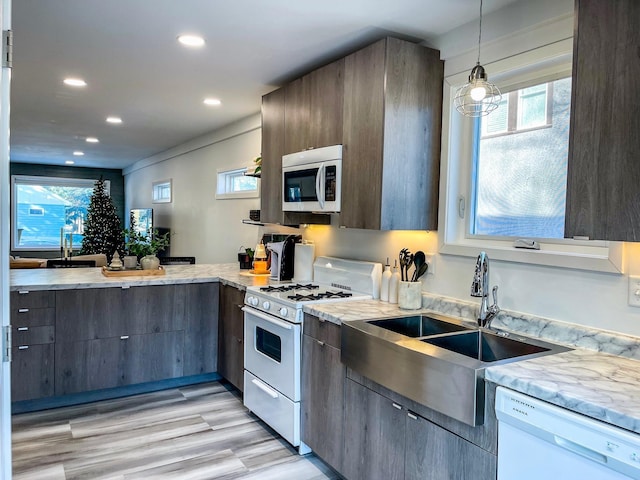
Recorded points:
312,180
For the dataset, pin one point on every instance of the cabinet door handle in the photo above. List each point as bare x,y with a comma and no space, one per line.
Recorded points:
125,287
23,329
23,310
239,340
412,416
23,292
240,305
395,405
320,343
124,337
23,347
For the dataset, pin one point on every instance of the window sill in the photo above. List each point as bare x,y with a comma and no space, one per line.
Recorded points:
599,259
239,195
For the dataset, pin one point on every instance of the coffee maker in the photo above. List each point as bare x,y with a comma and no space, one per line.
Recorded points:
282,254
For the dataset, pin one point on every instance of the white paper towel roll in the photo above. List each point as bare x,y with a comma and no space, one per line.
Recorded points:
303,262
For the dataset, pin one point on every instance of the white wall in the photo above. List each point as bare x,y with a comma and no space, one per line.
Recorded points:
212,231
201,226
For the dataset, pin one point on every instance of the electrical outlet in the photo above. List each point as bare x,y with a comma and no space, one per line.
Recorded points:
431,261
634,291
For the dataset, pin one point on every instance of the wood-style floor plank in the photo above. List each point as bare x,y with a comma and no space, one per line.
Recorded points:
189,433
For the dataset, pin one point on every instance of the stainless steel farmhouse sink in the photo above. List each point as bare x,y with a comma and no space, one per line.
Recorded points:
435,360
417,325
485,346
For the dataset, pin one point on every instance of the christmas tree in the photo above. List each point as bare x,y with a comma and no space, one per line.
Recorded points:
102,228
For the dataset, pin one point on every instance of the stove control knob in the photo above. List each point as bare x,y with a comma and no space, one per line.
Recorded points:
266,305
252,301
284,311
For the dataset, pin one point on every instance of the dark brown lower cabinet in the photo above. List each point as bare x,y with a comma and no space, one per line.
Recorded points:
118,361
385,440
323,377
32,374
374,435
434,453
201,328
231,336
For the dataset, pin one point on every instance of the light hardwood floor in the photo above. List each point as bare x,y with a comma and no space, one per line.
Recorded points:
195,432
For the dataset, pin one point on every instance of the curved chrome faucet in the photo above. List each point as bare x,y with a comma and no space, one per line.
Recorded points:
480,288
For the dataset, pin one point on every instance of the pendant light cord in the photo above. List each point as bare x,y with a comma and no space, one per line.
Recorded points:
480,33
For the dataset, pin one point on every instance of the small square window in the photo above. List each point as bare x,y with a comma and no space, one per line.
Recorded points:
235,184
161,191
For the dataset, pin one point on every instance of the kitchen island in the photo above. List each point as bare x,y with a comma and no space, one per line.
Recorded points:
71,278
77,332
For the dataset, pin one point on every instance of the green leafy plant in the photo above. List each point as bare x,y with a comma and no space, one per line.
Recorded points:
143,244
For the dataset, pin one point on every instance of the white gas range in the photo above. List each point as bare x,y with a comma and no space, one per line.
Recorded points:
273,326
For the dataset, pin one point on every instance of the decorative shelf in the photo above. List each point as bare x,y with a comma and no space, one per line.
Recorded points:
252,222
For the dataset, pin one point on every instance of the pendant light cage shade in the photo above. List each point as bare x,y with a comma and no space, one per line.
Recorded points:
479,97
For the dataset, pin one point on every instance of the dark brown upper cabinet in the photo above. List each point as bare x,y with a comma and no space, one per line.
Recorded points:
384,105
272,151
313,109
603,185
391,137
307,113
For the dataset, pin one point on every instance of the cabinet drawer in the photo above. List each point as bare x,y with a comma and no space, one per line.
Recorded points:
33,299
32,317
322,330
32,374
23,335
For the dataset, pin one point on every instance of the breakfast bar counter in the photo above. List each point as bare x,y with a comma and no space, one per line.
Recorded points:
74,278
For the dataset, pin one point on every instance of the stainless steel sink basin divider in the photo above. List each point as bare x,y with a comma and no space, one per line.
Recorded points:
435,360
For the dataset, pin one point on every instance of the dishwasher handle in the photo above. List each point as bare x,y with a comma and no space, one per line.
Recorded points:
580,449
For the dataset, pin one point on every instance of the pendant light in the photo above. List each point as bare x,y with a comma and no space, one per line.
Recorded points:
478,97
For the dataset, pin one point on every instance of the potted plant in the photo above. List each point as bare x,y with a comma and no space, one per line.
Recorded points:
145,246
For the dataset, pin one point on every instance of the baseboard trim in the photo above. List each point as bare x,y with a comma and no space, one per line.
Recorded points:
25,406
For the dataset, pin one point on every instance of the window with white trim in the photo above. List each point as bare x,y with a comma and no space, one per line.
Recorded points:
161,192
504,177
234,183
521,175
46,208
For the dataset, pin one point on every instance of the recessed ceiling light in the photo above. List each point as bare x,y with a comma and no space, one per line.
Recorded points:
78,153
92,140
212,101
114,120
75,82
69,162
191,40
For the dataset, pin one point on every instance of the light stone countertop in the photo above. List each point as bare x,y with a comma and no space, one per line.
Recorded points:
71,278
587,381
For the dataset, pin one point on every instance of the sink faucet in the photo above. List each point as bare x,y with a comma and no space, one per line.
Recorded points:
480,288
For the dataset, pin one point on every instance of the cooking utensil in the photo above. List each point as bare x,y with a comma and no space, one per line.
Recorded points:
418,260
421,271
406,259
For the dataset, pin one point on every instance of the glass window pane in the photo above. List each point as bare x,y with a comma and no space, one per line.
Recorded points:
532,106
498,121
521,178
43,208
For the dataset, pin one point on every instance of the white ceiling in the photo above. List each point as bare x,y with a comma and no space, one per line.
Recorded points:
127,52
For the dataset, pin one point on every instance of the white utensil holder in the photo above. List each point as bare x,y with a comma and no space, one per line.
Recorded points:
410,295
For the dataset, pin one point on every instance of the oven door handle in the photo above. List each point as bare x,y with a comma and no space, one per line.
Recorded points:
267,318
272,393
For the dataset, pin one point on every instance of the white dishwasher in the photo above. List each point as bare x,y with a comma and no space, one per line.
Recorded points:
538,440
